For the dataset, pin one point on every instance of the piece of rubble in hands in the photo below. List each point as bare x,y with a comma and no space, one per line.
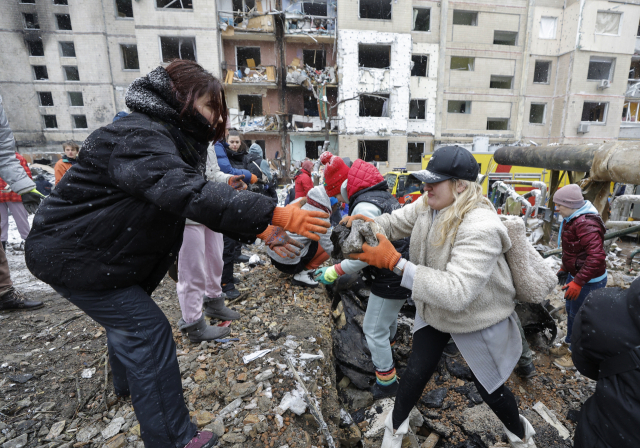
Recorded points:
361,232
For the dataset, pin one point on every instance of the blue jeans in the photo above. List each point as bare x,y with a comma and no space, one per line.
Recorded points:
572,306
379,327
143,361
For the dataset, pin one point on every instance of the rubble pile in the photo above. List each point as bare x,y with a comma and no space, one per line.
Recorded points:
298,74
310,25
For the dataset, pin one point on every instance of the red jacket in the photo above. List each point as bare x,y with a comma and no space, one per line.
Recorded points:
362,175
8,195
303,183
583,253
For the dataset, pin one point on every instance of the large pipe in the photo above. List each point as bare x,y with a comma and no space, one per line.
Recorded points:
607,162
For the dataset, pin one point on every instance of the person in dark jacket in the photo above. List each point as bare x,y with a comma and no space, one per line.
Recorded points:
606,348
107,234
583,266
254,162
366,192
303,180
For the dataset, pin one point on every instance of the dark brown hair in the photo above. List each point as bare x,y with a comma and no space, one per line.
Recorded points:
236,133
190,82
71,144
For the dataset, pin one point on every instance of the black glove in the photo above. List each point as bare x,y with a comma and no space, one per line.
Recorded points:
562,277
31,200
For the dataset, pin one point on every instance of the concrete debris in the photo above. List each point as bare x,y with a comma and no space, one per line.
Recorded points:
551,418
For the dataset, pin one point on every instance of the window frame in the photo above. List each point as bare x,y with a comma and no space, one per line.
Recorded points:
515,44
368,18
596,123
511,79
555,28
40,98
464,11
164,8
195,47
73,121
601,60
61,4
425,109
548,72
122,58
627,105
60,42
424,145
499,118
36,22
362,144
422,56
466,112
64,71
115,10
544,114
44,121
413,30
619,23
379,96
33,70
29,42
58,22
473,65
69,98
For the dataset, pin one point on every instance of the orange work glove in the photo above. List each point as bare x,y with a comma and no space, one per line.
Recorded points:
301,222
573,291
383,256
254,179
347,220
278,241
236,183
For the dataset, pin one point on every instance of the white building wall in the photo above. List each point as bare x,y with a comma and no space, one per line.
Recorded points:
425,88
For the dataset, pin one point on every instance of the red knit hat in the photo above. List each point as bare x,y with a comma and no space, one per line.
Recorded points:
335,173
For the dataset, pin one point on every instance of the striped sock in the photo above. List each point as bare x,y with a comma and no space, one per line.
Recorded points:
386,378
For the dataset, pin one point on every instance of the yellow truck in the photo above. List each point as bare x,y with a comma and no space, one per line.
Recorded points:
403,186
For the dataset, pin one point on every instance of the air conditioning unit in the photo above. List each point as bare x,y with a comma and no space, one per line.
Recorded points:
604,84
583,128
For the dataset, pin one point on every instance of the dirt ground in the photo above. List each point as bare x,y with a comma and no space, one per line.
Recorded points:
55,388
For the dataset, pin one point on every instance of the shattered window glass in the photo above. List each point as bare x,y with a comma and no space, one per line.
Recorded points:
315,8
541,72
630,111
420,65
40,72
124,9
375,9
178,48
497,124
35,48
130,57
251,105
245,54
417,109
64,22
31,21
374,56
175,4
414,152
314,58
311,148
374,105
46,98
600,68
536,113
594,112
373,150
421,19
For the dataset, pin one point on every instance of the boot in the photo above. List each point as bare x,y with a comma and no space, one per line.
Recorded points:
390,439
13,300
200,331
305,278
526,371
203,439
215,308
529,432
4,246
230,291
560,351
565,363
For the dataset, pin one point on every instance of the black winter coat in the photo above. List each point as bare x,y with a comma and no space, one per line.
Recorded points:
116,220
607,325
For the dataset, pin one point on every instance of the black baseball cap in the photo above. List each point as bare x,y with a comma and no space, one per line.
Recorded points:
449,162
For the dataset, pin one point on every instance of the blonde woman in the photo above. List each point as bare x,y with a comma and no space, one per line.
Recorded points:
462,287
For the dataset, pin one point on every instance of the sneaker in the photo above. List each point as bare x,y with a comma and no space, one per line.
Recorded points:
305,278
565,363
379,391
560,351
526,371
13,300
203,439
230,291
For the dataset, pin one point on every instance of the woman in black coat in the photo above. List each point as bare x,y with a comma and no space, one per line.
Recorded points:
606,348
106,236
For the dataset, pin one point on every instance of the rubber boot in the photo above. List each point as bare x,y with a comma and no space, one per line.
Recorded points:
215,308
199,330
390,439
529,432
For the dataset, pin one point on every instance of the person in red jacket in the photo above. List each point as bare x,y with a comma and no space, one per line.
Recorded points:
583,266
303,179
12,202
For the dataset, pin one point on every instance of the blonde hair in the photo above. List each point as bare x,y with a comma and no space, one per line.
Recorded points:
463,202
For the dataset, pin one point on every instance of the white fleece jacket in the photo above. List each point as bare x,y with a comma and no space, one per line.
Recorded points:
461,288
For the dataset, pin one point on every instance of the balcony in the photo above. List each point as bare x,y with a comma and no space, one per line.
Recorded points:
246,124
633,88
317,28
262,75
302,75
246,26
305,123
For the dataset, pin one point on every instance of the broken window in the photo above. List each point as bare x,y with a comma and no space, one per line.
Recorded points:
31,2
130,57
375,9
634,70
31,21
312,148
417,109
178,48
501,82
468,18
420,65
374,56
462,63
314,58
541,72
174,4
247,57
594,112
40,72
459,107
251,105
608,23
310,105
35,48
630,111
75,99
64,22
79,121
600,68
421,19
315,8
374,105
505,38
536,113
60,2
414,152
50,121
67,49
373,150
46,99
548,27
246,6
71,73
497,124
124,9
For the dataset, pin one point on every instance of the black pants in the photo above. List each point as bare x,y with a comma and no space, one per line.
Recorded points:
293,269
428,344
232,249
143,360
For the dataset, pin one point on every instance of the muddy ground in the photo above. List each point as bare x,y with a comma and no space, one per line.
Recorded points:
55,389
